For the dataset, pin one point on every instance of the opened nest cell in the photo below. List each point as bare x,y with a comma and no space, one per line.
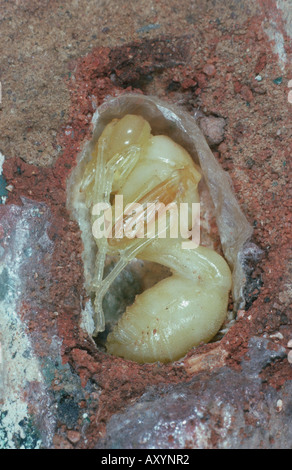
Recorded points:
144,152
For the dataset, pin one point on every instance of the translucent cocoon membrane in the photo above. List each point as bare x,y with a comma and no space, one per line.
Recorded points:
150,152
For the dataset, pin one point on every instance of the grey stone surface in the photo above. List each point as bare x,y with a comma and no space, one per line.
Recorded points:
225,409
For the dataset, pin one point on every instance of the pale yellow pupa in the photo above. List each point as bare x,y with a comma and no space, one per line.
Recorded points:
147,151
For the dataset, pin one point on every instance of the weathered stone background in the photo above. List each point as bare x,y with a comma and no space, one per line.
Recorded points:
229,64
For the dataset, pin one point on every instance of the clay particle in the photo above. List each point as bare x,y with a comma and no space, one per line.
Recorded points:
209,70
278,80
279,405
73,436
213,129
246,93
240,313
277,335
